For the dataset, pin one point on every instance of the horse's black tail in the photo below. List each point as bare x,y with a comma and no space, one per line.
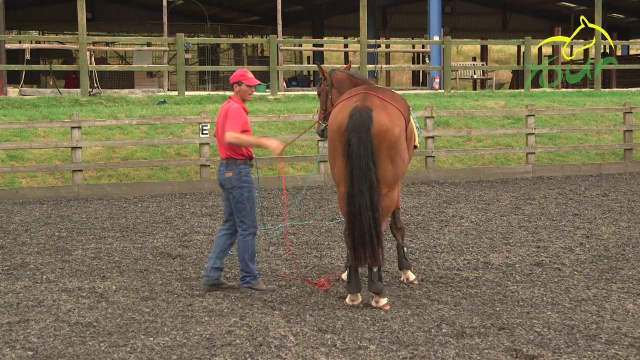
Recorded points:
364,238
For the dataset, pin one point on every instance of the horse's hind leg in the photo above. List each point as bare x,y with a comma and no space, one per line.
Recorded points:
352,278
354,287
376,287
398,231
346,262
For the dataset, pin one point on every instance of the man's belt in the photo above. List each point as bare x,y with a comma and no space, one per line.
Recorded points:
237,161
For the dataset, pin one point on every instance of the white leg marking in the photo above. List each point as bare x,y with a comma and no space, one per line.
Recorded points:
344,276
354,300
380,302
408,277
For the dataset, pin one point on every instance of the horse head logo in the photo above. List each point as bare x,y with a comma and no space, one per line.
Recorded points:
583,24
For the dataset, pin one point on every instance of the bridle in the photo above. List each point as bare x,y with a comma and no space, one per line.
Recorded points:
326,109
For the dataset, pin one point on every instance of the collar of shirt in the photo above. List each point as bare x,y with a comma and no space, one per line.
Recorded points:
239,102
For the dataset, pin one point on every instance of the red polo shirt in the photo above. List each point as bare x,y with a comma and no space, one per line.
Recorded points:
234,117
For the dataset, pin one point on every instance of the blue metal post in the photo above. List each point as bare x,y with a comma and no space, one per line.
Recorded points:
372,34
435,33
625,50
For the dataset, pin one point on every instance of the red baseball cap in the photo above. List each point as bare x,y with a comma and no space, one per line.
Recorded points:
245,76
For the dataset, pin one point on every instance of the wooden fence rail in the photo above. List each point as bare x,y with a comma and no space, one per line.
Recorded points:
205,161
276,47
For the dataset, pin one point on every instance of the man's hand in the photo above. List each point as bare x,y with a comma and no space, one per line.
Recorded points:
273,145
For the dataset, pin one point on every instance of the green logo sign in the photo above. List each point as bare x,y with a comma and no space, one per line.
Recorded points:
571,78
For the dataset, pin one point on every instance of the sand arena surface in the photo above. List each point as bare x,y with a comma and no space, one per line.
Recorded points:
510,269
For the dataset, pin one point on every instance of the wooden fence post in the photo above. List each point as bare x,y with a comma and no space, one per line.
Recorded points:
83,54
205,154
323,165
430,124
627,135
363,38
274,82
182,75
77,176
530,123
446,71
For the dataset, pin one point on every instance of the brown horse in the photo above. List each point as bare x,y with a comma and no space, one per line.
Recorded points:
370,143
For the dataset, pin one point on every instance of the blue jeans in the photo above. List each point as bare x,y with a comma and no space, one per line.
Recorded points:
240,222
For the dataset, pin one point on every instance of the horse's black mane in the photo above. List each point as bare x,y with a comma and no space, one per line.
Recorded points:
352,74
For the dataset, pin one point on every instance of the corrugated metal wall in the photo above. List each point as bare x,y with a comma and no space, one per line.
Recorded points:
408,21
466,21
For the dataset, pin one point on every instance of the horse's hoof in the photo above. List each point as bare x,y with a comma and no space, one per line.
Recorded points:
381,303
412,282
353,300
408,277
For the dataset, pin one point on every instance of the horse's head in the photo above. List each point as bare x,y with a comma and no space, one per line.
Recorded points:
332,85
328,90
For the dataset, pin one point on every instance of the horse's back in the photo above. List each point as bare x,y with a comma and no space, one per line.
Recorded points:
389,129
384,101
384,92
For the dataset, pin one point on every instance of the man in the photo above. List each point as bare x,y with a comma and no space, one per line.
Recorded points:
235,143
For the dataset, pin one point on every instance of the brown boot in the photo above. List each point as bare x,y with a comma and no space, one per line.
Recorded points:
260,286
222,285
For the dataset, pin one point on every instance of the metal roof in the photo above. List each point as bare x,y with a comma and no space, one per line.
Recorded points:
621,16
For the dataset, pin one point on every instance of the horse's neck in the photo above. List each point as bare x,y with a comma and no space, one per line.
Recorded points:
351,84
355,82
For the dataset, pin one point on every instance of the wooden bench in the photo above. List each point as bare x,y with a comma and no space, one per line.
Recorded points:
472,74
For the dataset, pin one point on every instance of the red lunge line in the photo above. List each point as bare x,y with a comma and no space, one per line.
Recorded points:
322,284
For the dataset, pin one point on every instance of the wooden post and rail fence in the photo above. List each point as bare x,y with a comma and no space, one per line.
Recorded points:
430,152
276,46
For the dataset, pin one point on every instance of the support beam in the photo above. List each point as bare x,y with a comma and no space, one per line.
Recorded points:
363,37
372,34
165,55
558,57
317,32
597,77
484,57
3,52
613,51
435,33
83,56
387,55
279,33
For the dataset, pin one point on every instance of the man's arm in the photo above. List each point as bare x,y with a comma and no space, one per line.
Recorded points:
238,139
233,134
234,138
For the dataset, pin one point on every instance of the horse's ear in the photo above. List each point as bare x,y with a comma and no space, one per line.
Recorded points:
348,67
323,72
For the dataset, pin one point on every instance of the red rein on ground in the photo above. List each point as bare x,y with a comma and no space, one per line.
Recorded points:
328,281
